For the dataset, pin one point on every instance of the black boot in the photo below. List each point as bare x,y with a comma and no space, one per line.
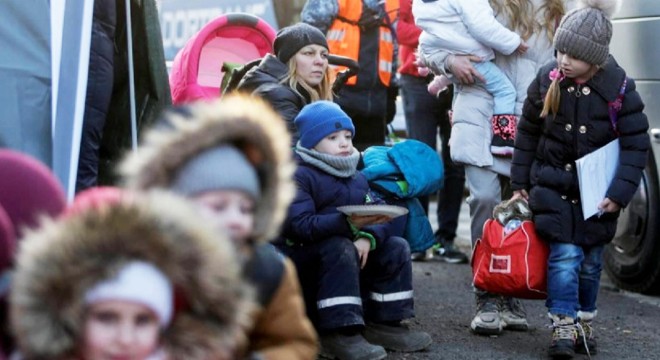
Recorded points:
397,337
345,346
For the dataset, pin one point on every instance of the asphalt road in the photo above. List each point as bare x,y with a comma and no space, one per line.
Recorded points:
627,326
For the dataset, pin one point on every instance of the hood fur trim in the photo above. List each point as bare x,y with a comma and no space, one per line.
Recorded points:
58,262
247,123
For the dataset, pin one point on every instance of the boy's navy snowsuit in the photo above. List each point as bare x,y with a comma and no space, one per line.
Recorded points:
319,240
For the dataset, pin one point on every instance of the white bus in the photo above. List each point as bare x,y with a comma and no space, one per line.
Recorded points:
632,261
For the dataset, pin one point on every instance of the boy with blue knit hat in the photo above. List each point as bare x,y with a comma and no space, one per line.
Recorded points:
355,273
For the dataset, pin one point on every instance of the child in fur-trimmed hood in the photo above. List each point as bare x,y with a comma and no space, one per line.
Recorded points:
148,263
233,157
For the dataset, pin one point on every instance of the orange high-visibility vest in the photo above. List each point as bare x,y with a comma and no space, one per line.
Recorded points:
344,37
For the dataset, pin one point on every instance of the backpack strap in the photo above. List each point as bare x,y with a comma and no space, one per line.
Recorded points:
234,74
615,106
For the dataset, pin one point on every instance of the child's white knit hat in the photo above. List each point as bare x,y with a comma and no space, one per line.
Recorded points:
139,282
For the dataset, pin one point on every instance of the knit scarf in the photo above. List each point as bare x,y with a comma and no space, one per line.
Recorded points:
339,166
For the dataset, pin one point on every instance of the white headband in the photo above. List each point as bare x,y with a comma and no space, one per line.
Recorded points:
139,282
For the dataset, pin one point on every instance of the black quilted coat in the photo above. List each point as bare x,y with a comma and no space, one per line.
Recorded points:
265,81
546,150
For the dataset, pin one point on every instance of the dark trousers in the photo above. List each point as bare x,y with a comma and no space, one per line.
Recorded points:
425,116
339,294
369,130
99,92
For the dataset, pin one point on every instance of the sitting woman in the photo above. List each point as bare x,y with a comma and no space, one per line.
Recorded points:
295,76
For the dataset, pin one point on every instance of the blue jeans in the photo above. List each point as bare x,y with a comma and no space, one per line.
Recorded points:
425,116
573,278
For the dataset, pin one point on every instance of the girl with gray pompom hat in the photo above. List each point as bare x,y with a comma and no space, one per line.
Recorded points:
577,104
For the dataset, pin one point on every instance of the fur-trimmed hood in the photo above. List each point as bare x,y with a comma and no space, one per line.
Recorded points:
247,123
61,260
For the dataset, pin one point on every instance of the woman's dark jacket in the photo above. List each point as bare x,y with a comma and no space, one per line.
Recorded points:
546,150
265,80
313,214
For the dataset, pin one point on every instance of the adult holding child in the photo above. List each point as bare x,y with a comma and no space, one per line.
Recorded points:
487,174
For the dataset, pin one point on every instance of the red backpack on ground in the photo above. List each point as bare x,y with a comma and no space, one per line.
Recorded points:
514,264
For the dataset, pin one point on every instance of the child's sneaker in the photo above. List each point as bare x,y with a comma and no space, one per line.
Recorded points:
513,315
564,336
487,320
422,255
586,342
449,254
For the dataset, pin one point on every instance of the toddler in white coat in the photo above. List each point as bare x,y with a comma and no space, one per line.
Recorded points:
467,27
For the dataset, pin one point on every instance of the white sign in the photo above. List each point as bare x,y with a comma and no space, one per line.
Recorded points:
181,19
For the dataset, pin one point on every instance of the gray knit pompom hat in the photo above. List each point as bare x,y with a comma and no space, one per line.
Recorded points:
219,168
585,32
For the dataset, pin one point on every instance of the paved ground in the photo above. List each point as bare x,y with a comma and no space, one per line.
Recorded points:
627,325
464,243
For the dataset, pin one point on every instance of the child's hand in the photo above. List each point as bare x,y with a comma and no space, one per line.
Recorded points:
520,194
363,246
608,206
522,48
360,221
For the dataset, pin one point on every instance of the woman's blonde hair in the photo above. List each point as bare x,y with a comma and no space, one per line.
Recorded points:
322,91
522,18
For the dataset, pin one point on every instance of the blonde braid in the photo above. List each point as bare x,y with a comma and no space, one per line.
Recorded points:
552,98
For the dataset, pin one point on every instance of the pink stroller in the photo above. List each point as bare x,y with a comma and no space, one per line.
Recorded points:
231,38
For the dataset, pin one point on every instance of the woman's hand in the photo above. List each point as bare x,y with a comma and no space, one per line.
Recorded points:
360,221
608,206
363,246
461,67
520,194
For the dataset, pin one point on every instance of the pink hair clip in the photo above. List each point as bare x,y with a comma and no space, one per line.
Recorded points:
556,74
